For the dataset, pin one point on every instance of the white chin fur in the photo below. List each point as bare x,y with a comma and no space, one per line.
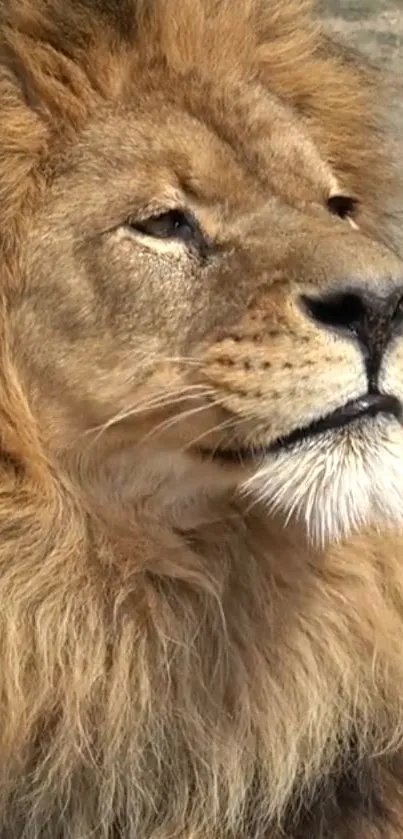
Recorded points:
337,482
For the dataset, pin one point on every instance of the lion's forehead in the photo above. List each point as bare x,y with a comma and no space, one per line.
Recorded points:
235,155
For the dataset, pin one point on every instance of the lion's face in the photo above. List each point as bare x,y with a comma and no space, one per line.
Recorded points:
204,308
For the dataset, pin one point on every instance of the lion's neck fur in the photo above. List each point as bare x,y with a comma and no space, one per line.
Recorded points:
229,665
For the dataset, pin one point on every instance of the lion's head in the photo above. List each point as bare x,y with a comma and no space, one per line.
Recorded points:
200,295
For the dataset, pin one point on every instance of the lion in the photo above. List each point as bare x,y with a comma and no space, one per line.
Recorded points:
201,443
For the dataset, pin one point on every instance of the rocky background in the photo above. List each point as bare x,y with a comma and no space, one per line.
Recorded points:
375,26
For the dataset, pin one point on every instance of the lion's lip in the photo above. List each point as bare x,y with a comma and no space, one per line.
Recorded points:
368,405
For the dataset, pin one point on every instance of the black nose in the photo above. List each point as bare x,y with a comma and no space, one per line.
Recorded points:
365,317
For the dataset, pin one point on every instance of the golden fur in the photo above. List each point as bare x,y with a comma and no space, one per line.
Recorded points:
191,647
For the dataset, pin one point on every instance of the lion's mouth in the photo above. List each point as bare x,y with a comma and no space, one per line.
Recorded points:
366,406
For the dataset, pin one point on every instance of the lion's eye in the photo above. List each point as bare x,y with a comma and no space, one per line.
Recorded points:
175,224
342,205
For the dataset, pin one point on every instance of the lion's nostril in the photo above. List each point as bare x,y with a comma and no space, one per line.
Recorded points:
343,311
368,318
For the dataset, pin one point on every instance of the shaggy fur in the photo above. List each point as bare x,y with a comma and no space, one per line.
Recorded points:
193,646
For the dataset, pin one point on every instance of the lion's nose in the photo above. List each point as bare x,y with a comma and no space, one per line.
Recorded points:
367,318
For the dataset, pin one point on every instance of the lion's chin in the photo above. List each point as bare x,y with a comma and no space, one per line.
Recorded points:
337,482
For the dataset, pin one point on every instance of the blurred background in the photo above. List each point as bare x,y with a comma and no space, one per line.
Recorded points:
375,26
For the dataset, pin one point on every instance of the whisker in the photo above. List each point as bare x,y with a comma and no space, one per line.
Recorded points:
165,399
180,360
216,402
184,415
220,427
